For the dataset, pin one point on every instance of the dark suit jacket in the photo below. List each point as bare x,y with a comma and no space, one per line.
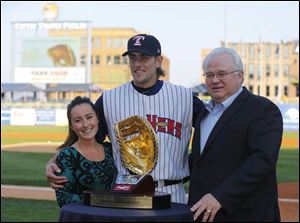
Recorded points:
238,163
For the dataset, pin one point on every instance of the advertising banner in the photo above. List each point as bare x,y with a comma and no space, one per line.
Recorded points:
23,116
45,117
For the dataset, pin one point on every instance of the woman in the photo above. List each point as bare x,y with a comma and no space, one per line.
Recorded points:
86,163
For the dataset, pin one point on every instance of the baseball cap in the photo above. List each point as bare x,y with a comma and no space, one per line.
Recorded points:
143,43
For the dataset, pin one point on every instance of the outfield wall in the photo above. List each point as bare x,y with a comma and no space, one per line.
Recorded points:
31,116
58,117
290,115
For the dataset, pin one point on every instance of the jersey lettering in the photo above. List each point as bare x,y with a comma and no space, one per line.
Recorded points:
165,125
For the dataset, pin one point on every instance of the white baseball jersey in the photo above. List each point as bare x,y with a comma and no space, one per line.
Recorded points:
169,111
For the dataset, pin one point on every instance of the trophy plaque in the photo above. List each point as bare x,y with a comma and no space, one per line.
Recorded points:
139,153
103,198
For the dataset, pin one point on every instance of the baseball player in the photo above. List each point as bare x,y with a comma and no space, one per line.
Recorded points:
169,109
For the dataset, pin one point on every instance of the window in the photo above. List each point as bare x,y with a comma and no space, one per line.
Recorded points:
268,70
251,52
108,60
251,88
82,59
277,51
124,43
124,60
97,59
286,70
108,43
267,90
258,72
243,51
276,70
258,90
259,51
285,90
251,71
286,51
117,43
116,59
268,52
276,90
97,42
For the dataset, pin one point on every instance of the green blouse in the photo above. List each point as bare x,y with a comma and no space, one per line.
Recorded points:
83,174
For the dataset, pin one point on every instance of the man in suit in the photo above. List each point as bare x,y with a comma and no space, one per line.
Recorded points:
235,148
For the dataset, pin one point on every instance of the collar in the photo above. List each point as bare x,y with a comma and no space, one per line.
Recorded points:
150,90
225,104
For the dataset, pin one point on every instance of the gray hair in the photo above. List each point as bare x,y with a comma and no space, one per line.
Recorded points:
222,50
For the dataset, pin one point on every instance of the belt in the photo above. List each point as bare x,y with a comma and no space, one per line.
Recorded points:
162,183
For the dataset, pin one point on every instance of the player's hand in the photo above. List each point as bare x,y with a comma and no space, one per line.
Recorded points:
208,205
55,182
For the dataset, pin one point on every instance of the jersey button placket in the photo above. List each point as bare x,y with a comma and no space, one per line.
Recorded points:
146,101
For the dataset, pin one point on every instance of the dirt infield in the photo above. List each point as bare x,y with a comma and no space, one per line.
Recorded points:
290,143
289,201
34,136
288,192
40,147
27,192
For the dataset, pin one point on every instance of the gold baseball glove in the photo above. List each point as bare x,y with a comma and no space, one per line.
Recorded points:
138,144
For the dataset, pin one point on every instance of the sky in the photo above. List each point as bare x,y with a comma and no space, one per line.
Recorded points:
183,28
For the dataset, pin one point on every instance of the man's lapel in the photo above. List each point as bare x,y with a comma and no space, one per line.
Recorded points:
226,117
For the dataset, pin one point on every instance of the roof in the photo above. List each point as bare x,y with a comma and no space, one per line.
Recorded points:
74,87
19,87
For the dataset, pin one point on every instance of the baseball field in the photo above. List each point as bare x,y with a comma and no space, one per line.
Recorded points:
19,166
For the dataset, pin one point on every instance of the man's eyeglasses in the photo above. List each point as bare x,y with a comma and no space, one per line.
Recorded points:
220,76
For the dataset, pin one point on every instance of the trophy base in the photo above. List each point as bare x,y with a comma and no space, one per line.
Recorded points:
103,198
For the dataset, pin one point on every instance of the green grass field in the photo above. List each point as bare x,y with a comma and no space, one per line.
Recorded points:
288,166
34,129
25,210
23,131
20,168
291,135
31,167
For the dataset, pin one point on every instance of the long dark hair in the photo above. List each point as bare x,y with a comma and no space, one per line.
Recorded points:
72,137
160,71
